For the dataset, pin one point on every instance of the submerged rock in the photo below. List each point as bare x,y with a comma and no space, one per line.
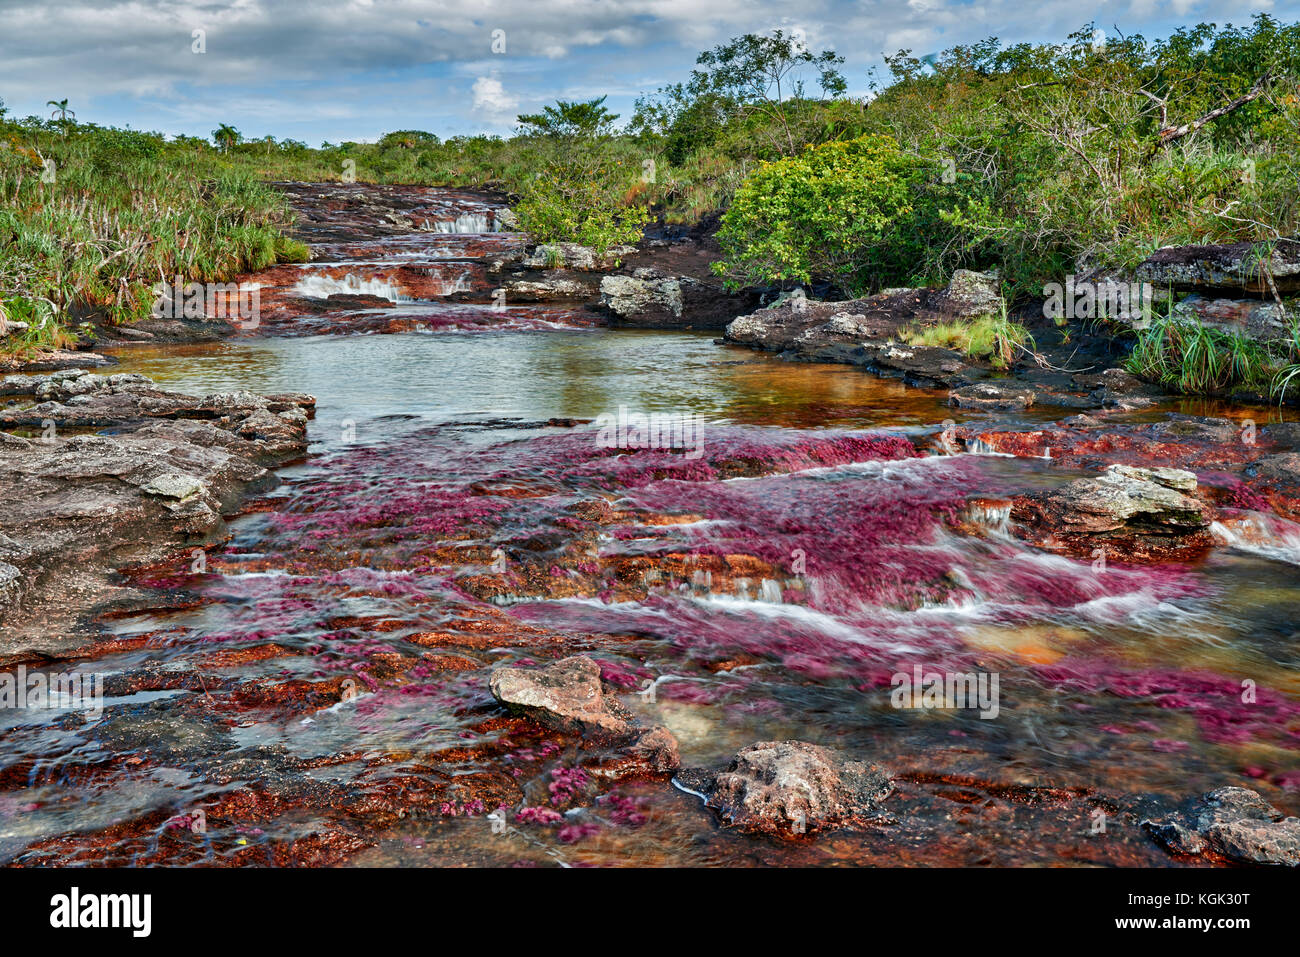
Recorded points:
569,696
1277,479
1281,470
785,787
1134,514
1234,822
988,395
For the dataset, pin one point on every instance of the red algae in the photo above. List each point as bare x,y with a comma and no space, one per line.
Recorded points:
321,691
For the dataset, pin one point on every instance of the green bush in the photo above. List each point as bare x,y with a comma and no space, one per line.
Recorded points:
820,214
581,206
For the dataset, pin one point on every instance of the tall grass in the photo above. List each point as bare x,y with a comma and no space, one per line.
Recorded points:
994,337
1179,352
88,223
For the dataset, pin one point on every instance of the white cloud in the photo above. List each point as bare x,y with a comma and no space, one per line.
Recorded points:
491,99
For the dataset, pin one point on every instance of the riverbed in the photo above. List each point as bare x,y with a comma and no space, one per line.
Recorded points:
316,689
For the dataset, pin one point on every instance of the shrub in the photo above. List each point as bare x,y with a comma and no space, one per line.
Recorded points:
577,202
817,215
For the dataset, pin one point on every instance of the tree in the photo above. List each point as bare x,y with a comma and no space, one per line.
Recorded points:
570,120
761,73
61,108
755,76
226,137
407,139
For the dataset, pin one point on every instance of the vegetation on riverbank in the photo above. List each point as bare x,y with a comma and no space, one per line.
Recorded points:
1186,356
1039,160
92,218
997,338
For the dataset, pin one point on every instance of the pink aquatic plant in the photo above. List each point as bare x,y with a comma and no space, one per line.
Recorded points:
538,815
566,783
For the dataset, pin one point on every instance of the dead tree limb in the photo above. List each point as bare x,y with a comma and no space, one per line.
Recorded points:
1171,134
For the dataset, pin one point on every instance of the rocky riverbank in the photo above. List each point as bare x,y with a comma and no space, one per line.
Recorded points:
99,472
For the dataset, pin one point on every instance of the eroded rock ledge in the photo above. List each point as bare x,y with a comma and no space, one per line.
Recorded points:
102,472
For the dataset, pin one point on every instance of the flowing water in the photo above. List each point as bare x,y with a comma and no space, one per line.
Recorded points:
317,690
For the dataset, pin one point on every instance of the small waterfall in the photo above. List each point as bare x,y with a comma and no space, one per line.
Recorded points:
466,223
322,287
990,513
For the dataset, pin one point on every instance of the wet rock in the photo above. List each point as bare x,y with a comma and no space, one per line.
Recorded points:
656,748
1285,435
161,734
1277,477
784,787
652,753
1117,389
1134,514
336,302
1198,429
566,695
1281,470
1239,266
989,395
1236,823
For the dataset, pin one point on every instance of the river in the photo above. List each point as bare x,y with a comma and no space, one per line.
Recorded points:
317,687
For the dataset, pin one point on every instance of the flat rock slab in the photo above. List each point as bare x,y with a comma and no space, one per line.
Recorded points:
77,507
791,787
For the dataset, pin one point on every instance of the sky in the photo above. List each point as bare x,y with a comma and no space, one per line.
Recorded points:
338,70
